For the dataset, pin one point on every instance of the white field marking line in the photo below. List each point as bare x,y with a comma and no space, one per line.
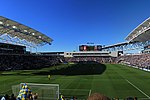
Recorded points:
90,92
138,89
76,89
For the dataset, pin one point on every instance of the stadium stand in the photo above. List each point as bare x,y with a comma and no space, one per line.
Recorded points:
91,59
13,54
26,61
15,57
12,49
137,60
91,56
139,37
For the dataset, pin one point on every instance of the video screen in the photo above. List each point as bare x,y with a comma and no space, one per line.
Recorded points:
90,48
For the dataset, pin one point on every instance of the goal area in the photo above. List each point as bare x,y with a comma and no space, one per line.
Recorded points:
43,91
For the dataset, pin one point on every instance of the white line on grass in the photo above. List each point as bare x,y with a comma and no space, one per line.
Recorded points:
90,92
76,89
138,89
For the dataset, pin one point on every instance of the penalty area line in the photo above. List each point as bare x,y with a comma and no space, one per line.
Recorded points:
138,89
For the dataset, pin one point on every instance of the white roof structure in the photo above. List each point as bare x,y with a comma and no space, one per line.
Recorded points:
114,45
141,33
18,30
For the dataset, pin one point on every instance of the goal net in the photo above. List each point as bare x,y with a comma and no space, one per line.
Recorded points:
43,91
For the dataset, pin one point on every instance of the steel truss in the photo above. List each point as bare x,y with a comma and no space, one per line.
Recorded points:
127,46
6,38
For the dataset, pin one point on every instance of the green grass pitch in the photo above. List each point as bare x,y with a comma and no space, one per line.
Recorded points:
112,80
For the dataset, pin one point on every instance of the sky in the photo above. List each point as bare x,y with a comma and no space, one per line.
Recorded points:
73,22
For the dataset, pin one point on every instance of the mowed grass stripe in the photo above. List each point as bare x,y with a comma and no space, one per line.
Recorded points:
111,82
138,89
75,86
137,77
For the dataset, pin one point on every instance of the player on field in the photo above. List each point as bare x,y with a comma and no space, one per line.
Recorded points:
49,76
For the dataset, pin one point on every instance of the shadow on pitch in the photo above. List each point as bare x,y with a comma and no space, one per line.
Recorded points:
81,68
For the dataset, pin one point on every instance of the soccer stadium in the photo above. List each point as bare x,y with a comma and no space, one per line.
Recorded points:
72,75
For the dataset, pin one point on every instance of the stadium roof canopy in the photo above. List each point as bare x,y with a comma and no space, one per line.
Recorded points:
141,33
115,45
18,30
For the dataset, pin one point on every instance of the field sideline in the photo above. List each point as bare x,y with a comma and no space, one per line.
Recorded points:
115,81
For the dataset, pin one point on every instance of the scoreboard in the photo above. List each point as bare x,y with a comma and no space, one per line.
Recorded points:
90,48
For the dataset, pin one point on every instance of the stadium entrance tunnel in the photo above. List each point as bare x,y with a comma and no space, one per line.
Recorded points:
80,68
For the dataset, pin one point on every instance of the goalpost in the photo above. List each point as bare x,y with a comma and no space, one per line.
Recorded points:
44,91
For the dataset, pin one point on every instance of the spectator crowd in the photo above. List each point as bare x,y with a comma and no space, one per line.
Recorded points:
91,59
137,60
26,61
